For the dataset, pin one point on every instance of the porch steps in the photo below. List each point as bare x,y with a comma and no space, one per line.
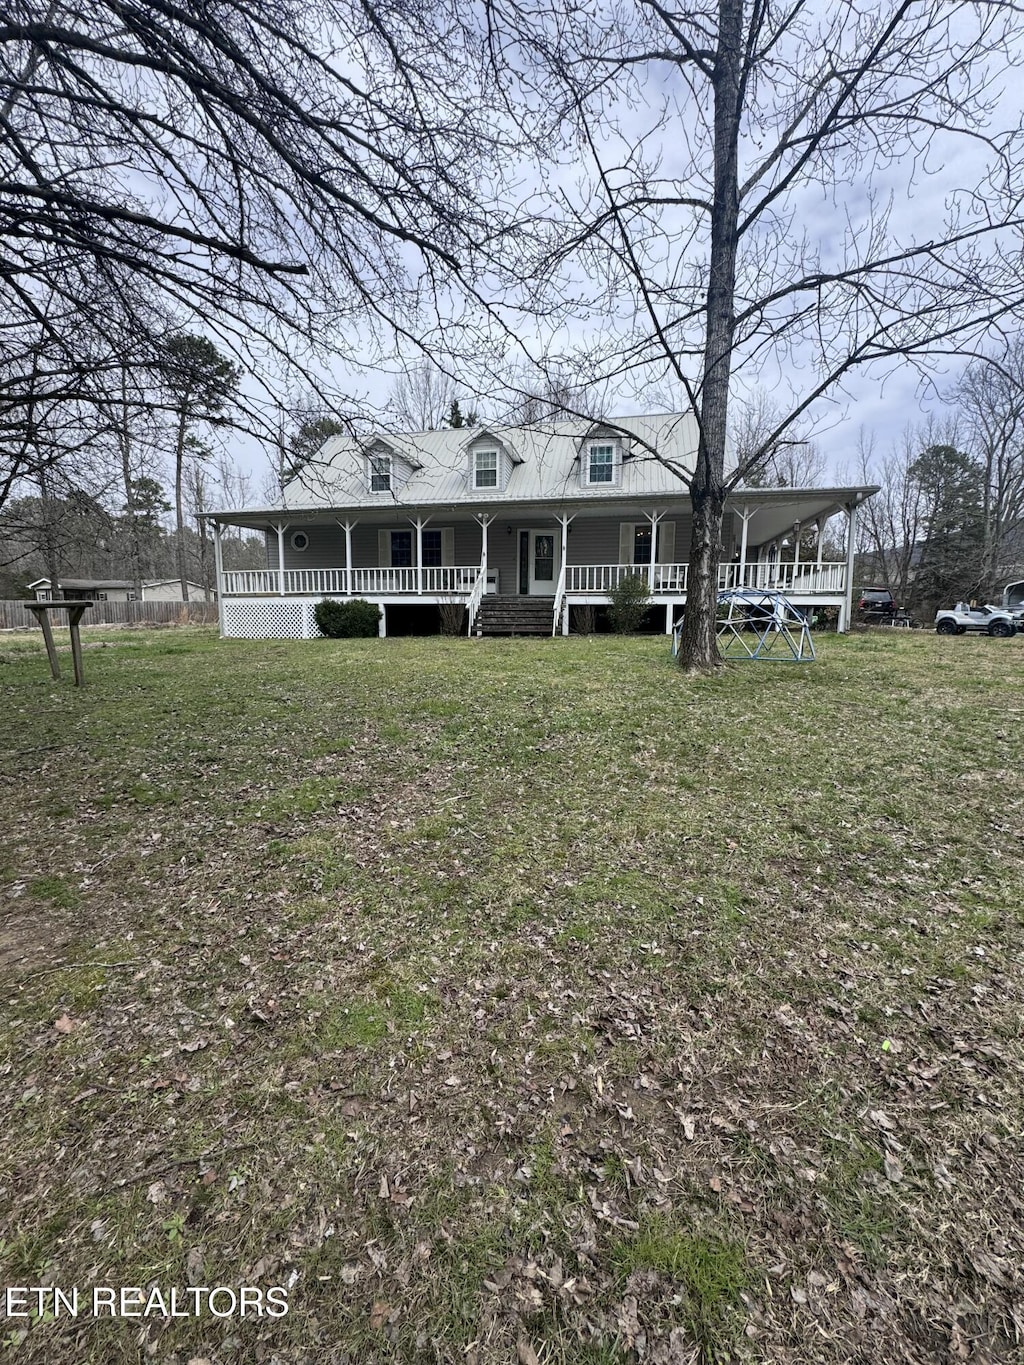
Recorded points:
515,615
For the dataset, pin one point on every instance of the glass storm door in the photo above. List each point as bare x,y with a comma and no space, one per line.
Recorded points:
544,563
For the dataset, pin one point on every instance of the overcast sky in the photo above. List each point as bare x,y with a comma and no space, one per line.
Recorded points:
822,218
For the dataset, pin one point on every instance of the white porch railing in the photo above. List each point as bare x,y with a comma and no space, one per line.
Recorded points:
601,578
462,580
310,582
451,578
828,578
250,582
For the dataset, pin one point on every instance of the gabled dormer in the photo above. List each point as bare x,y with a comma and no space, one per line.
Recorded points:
386,468
601,453
489,463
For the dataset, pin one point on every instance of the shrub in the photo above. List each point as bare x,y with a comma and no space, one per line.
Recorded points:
453,614
585,619
347,620
631,597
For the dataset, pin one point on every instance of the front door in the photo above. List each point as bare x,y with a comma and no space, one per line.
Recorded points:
539,562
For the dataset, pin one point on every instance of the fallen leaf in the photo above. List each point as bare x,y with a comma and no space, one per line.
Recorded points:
378,1314
893,1169
527,1355
65,1024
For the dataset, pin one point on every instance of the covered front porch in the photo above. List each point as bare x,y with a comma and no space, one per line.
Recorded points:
569,556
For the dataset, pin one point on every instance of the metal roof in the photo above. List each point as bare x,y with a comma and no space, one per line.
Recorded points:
545,464
658,451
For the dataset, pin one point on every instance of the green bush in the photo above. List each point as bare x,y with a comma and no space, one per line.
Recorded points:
347,620
631,598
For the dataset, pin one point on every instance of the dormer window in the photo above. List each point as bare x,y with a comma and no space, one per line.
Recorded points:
380,473
601,462
485,469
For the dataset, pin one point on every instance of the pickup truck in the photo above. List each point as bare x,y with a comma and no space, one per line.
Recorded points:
987,620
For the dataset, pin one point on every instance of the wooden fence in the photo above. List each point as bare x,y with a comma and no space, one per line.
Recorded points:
13,616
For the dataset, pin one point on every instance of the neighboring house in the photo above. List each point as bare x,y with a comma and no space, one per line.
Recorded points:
521,524
116,590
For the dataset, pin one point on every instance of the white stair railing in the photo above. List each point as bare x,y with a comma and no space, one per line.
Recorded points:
475,598
559,600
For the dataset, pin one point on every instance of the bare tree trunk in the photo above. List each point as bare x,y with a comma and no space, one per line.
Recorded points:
124,441
179,505
51,557
698,644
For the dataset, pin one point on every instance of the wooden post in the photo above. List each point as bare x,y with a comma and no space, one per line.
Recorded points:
43,617
74,617
745,515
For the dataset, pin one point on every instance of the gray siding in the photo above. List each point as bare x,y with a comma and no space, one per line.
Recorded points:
591,541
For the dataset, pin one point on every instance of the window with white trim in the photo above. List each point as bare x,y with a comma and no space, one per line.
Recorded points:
601,463
300,541
485,469
380,473
401,550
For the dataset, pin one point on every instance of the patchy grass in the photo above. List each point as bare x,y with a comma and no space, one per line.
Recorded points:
516,997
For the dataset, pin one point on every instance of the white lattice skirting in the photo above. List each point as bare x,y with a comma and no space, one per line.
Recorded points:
271,619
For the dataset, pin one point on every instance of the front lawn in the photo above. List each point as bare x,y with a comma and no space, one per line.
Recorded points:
515,1000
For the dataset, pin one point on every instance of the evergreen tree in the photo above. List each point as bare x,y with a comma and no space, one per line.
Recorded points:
200,383
951,488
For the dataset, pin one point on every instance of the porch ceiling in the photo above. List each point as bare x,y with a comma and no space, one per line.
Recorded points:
774,510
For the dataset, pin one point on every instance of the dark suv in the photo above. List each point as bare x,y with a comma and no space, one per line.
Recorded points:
876,604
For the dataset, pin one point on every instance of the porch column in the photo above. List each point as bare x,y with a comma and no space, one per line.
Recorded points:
484,519
218,561
563,521
745,515
419,523
653,518
819,525
846,611
348,527
282,526
796,551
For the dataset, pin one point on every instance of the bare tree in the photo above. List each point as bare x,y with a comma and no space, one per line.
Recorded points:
747,119
771,461
422,396
292,175
990,404
892,522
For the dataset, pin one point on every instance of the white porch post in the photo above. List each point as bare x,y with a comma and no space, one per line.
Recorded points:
348,527
846,611
484,519
654,518
419,523
819,525
282,526
745,515
564,520
218,560
796,551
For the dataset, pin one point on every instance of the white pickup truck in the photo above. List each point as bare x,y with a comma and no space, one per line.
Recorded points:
987,620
